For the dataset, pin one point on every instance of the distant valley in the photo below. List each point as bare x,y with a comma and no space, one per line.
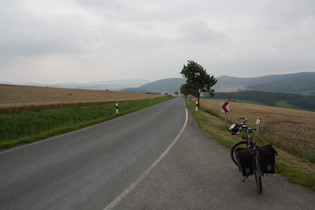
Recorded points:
297,83
289,90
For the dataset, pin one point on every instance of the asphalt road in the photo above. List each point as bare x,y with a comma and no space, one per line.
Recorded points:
150,159
89,168
198,173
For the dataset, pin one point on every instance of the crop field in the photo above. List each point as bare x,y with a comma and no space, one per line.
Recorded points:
289,129
18,98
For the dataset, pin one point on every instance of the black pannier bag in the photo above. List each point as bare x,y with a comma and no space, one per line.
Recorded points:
267,159
245,161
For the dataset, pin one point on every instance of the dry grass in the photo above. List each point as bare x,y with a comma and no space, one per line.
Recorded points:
293,130
16,98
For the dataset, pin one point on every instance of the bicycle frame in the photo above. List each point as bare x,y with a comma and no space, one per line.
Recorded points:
253,148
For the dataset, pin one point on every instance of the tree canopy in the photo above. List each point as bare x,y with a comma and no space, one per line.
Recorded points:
197,79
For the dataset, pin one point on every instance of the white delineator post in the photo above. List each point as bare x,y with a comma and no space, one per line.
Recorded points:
197,105
258,121
116,108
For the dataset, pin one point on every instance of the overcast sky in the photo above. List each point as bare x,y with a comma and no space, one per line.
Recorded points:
51,41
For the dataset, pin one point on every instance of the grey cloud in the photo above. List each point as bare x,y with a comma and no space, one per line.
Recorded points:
133,37
199,31
25,34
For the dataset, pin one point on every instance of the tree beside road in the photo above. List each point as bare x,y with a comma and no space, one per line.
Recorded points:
198,80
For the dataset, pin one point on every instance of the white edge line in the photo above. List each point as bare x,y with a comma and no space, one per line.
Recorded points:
131,187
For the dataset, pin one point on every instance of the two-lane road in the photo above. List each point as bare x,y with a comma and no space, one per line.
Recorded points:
89,168
155,158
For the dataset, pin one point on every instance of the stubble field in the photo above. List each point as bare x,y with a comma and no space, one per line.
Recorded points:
289,129
18,98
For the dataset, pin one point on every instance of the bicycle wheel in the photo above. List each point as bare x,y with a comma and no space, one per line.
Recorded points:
258,182
257,173
241,144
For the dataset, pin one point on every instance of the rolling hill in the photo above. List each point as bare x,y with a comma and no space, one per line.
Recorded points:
298,83
170,85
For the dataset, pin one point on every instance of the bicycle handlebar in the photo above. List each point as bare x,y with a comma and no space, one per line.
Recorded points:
243,125
244,120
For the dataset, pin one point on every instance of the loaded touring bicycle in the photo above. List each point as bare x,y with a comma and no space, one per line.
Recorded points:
251,158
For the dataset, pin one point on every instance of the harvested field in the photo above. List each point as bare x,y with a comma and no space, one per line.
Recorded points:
18,98
292,130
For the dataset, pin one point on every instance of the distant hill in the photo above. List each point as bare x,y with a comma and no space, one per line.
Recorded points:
300,83
287,100
170,85
97,85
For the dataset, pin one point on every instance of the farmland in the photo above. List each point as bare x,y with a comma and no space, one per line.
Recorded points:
292,130
29,114
18,98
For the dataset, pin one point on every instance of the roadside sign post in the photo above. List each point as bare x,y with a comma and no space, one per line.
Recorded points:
204,92
225,108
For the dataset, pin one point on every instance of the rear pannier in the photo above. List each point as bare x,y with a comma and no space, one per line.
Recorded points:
267,159
245,162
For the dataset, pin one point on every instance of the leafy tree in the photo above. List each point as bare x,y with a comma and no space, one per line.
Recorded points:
184,89
197,78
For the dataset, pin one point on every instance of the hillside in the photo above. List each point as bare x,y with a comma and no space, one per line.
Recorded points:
300,83
170,85
287,100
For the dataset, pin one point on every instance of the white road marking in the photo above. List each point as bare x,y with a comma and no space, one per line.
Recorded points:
131,187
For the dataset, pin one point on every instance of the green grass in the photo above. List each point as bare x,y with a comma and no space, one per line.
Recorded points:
295,175
284,104
216,128
30,126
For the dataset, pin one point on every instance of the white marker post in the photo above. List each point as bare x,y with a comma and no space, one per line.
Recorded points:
116,108
258,121
197,105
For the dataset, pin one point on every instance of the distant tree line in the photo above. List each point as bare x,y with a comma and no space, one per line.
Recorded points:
270,99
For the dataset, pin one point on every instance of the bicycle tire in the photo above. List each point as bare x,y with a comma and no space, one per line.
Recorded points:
233,150
257,174
258,182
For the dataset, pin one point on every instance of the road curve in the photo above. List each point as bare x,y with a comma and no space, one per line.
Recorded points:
198,173
89,168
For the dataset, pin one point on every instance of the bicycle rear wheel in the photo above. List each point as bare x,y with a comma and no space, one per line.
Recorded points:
257,173
258,181
241,144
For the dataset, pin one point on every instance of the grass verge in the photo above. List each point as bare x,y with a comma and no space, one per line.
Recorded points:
293,169
31,126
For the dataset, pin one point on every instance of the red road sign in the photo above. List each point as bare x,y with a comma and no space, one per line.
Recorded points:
225,107
204,89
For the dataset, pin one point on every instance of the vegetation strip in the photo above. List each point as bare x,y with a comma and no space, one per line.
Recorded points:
295,170
30,126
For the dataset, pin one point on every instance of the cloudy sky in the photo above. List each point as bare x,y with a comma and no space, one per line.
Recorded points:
51,41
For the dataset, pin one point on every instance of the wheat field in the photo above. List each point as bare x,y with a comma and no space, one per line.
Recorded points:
293,130
15,98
